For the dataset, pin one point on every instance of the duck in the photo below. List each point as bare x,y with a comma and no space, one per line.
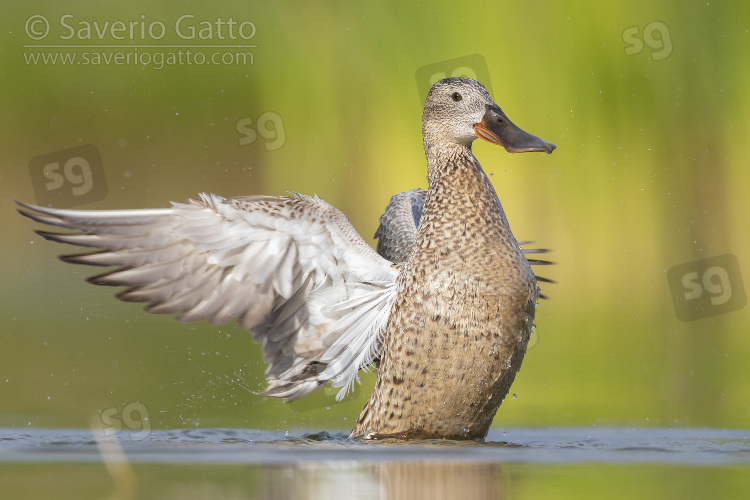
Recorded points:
444,309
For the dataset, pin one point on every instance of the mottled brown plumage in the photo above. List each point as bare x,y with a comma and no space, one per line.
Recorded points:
459,327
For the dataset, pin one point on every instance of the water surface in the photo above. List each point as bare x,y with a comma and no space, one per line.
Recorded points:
511,463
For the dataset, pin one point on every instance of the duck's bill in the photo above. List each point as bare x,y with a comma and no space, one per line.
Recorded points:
496,128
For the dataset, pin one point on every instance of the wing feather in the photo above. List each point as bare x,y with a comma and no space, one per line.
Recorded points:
290,269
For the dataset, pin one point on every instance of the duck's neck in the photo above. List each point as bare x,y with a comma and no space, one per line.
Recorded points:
463,225
456,178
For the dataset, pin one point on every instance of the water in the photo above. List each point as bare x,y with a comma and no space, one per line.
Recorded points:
512,463
552,446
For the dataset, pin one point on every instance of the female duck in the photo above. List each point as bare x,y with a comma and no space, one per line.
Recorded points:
449,324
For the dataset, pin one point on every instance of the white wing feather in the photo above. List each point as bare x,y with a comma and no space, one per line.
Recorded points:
291,269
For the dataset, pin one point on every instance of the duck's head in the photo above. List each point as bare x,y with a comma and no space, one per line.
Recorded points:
458,110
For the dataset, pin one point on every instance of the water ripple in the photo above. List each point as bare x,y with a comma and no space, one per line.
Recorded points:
517,445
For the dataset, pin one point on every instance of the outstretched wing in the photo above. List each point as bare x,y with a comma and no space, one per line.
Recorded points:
291,269
397,231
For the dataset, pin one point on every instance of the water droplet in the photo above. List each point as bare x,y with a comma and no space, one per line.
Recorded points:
515,397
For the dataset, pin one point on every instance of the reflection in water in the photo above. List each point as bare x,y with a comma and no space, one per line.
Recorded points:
391,480
320,480
431,480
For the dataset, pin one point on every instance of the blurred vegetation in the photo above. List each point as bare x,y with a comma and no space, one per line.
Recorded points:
650,172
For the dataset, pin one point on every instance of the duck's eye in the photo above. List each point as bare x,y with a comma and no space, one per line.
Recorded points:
456,96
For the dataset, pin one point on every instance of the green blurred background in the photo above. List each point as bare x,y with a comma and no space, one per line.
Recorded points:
647,102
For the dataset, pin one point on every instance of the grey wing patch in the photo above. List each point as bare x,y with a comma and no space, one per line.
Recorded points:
398,225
